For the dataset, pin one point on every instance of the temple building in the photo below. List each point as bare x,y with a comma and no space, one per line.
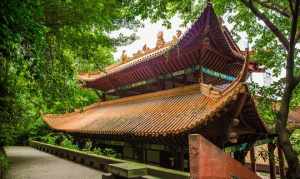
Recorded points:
153,100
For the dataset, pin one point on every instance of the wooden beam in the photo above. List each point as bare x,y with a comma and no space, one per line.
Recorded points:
242,121
234,122
240,105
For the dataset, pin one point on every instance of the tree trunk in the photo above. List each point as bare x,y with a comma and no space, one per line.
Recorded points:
283,137
281,124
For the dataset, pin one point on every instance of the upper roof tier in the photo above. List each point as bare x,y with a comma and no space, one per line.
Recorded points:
207,43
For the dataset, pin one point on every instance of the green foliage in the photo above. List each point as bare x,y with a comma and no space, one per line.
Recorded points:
4,163
267,101
97,151
50,138
60,139
110,153
45,44
269,50
295,139
67,141
43,47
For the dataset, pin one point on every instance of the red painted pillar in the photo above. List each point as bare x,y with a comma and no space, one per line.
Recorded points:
103,98
181,158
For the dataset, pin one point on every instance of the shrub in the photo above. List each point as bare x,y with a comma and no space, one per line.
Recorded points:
4,163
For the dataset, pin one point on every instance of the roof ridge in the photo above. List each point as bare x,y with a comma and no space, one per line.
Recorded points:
87,76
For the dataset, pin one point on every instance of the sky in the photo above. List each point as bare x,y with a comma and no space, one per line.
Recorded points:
147,35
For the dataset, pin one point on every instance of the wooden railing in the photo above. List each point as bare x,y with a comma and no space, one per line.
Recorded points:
114,167
209,161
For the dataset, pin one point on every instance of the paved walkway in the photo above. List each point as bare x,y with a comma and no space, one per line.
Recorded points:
29,163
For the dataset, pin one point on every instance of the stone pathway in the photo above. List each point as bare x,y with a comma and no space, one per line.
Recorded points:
29,163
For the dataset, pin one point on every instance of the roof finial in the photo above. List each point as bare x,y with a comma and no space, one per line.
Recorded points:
124,57
160,40
146,48
178,33
176,37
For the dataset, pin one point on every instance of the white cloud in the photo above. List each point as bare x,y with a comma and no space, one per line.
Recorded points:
148,35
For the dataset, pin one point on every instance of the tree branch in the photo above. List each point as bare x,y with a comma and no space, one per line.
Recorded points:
291,6
273,7
268,23
291,53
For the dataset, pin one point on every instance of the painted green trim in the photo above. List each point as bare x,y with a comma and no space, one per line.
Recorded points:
217,74
196,68
241,147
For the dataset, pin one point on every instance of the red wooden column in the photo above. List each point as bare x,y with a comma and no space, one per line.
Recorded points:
253,159
281,162
271,148
208,161
181,158
103,98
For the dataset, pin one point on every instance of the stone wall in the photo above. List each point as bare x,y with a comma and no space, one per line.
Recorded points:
113,166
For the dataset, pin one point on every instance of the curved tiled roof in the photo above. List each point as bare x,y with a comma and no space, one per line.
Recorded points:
169,112
206,43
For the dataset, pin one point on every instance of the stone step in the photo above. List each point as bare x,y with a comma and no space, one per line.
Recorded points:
150,177
128,170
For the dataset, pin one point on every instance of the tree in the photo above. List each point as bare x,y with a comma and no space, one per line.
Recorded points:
43,46
273,29
288,36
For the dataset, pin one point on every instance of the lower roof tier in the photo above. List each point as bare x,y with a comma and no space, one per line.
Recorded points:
175,112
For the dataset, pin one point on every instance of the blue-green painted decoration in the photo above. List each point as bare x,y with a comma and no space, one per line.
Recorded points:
217,74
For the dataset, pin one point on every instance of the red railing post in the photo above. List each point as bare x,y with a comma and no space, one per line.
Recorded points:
209,161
